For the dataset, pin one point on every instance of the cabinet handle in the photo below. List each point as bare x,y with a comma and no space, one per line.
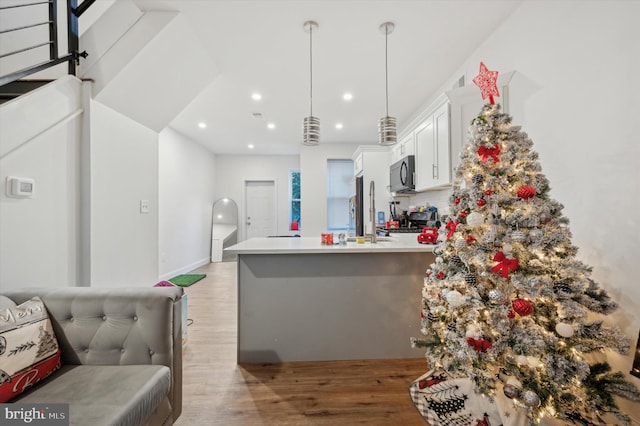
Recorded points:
434,173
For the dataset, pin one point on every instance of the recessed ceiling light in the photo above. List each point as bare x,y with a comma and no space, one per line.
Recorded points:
202,125
256,96
338,126
271,126
347,96
250,146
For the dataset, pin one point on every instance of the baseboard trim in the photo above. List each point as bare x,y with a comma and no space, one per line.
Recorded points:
185,269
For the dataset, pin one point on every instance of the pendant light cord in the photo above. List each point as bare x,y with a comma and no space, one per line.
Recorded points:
310,71
386,71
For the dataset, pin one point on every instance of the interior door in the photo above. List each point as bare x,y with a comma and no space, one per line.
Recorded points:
260,220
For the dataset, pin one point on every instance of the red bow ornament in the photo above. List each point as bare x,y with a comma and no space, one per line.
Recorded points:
479,345
487,153
451,226
526,192
504,265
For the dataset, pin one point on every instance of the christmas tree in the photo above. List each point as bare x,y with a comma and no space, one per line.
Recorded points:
506,302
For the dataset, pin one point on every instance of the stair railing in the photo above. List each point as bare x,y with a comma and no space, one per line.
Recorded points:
73,12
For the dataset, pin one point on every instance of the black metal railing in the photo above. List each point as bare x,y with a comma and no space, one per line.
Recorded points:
73,12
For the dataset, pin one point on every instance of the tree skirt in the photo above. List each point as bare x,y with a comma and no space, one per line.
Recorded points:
443,401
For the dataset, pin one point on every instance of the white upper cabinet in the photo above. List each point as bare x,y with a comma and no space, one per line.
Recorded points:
357,164
432,150
403,148
466,104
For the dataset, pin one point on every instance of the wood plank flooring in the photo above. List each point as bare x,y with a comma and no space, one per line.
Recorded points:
217,391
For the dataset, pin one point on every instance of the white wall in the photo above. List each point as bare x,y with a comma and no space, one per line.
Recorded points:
313,180
231,172
186,184
124,171
576,95
40,139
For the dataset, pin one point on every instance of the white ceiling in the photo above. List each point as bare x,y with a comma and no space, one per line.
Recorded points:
261,46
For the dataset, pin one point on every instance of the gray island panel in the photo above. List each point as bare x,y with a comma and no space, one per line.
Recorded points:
329,306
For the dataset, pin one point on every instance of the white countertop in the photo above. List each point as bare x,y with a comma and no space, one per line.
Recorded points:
284,245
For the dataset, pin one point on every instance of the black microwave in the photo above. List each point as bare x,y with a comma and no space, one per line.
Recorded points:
402,175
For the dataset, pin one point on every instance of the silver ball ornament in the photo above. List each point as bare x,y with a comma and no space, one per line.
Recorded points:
475,219
530,399
510,391
535,235
517,236
510,358
454,298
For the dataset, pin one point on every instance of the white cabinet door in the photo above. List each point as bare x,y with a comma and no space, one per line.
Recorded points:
395,153
432,151
357,165
442,163
407,146
425,137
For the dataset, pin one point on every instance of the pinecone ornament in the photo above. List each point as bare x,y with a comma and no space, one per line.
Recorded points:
471,279
477,179
496,296
561,287
456,260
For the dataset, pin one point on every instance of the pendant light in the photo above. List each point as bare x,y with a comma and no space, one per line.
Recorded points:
387,134
311,124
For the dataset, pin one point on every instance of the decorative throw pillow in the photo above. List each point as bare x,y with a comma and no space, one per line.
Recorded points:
28,348
5,302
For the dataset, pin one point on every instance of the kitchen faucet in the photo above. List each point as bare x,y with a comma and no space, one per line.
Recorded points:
372,211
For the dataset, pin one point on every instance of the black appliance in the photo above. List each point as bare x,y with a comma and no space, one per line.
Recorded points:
401,175
424,218
417,221
359,207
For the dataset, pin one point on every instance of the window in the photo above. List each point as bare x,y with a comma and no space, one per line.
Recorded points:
340,188
294,195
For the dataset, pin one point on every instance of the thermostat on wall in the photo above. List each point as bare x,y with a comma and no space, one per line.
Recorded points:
18,187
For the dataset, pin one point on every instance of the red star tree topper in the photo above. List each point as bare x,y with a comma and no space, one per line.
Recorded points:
486,81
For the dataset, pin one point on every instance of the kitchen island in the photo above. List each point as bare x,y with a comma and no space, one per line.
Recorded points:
299,300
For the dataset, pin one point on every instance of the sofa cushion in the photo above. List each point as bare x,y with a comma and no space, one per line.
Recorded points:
105,394
28,348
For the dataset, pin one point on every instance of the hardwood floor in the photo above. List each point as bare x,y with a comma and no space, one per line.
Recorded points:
217,391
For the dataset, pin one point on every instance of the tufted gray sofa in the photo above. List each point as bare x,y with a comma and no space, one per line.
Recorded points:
121,354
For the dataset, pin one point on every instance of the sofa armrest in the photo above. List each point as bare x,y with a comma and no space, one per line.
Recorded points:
117,326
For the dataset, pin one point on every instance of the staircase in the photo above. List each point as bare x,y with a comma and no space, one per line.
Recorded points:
19,87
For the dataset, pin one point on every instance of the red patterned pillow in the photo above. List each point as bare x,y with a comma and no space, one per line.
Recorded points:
28,348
